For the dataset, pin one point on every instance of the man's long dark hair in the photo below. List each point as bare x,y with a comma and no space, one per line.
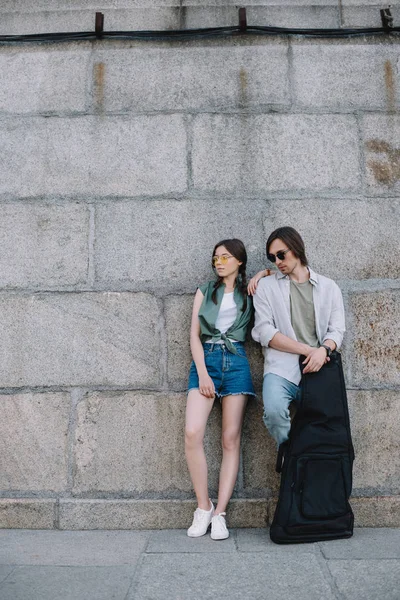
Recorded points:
237,249
293,241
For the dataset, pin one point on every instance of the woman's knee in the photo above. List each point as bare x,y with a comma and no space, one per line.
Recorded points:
230,439
193,437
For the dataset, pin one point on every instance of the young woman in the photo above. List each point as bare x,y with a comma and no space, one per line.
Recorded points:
222,311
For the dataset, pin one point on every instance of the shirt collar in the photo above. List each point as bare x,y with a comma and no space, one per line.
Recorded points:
313,276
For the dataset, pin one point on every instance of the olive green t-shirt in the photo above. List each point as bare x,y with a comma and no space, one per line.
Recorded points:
302,312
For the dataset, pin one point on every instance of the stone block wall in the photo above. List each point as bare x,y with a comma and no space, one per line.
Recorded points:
121,165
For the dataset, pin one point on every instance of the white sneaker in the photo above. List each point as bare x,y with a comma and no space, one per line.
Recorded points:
219,530
201,521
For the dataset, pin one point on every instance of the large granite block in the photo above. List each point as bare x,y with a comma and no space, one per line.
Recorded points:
344,239
43,245
375,424
114,452
23,150
339,76
222,76
365,3
93,155
299,3
82,18
381,134
293,14
33,441
275,153
374,352
38,80
62,5
166,245
79,339
378,511
178,314
355,13
152,514
261,14
259,453
27,513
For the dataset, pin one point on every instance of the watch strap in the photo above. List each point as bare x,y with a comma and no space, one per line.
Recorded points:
327,348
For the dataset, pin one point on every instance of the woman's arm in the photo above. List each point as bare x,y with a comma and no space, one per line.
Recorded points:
206,384
252,285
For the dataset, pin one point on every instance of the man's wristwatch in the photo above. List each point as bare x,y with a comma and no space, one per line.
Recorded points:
328,350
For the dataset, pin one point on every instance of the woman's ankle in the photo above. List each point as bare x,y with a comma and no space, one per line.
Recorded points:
207,505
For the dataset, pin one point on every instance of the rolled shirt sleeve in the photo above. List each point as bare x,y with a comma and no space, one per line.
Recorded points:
336,323
264,327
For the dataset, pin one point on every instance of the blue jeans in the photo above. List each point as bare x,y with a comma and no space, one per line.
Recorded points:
278,393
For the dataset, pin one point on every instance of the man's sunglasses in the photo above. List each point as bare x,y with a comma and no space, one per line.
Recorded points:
280,255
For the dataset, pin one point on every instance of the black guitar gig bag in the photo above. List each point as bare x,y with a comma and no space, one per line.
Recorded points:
316,463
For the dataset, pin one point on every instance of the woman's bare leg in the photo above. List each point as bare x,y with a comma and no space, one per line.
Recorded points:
233,408
198,408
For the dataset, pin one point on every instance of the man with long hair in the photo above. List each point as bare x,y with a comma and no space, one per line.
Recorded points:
297,313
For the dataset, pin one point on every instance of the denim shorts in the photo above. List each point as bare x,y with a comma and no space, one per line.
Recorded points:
229,372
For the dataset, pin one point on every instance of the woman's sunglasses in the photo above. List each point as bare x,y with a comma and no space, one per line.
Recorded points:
280,255
223,259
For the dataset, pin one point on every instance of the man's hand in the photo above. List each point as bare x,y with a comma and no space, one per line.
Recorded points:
315,360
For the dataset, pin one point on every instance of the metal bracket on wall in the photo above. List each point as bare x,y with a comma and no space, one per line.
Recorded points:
387,19
99,25
242,19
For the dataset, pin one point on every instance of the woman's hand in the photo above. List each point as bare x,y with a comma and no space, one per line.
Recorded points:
315,360
253,283
206,386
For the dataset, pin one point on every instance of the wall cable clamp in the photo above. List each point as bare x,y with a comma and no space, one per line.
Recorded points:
387,19
242,19
99,25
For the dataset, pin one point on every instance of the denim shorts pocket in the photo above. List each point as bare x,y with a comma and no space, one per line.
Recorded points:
241,351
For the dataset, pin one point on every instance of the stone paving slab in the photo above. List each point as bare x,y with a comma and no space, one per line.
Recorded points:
230,576
5,572
153,565
366,543
67,583
258,540
71,548
176,540
367,579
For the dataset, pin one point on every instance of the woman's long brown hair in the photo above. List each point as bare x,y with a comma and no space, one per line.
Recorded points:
237,249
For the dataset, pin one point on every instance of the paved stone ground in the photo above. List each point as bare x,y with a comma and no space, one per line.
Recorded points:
153,565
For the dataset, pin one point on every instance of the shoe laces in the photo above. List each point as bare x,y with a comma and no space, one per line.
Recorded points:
222,519
199,515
